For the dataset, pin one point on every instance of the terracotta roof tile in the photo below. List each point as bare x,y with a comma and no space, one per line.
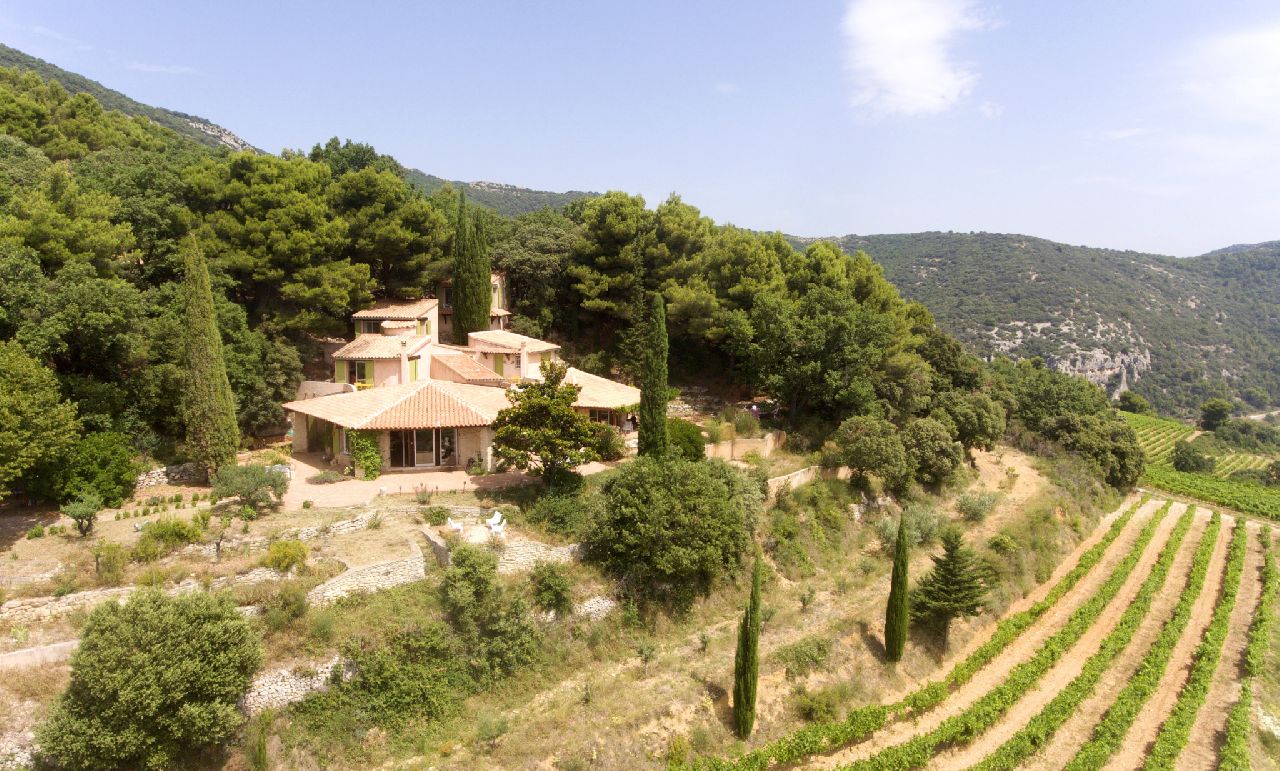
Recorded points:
381,346
600,392
463,368
509,341
425,404
398,310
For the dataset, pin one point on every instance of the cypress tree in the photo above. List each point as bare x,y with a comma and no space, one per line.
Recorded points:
471,277
746,663
895,614
208,407
653,380
957,585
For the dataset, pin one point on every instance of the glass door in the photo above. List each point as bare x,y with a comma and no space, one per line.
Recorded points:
424,442
448,447
402,455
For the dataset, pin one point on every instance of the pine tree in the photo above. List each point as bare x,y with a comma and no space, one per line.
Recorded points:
895,615
746,664
471,277
957,585
653,381
208,407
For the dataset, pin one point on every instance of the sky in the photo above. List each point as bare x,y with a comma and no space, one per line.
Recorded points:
1151,125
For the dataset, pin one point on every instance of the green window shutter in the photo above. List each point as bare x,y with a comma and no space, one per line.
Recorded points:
498,361
340,371
413,370
366,376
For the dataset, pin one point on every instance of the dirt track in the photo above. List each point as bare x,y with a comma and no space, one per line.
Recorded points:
1030,641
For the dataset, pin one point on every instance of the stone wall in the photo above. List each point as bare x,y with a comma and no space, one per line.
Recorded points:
371,578
183,474
280,687
33,609
736,449
521,554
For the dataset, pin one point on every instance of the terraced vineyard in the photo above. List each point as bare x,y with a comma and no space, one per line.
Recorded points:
1129,657
1158,436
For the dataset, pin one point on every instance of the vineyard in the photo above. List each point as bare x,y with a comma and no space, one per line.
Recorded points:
1130,656
1158,436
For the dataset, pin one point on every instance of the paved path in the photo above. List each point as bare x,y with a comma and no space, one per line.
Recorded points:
357,492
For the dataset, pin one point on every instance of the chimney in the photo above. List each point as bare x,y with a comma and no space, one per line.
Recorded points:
404,361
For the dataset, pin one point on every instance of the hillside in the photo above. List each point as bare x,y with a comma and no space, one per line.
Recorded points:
200,129
1175,330
507,200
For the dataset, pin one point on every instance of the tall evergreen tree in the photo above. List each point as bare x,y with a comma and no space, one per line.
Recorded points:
471,277
746,664
957,585
895,615
653,380
208,407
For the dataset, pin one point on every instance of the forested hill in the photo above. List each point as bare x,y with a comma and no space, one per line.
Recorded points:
200,129
507,200
1176,330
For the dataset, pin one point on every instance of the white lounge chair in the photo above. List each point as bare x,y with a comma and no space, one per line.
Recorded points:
455,526
497,529
496,519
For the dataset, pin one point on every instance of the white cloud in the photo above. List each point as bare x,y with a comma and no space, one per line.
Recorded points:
991,110
1237,75
898,54
165,69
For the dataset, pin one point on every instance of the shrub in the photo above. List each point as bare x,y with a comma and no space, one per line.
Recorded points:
327,478
35,532
109,560
101,464
84,511
923,525
257,487
745,425
308,504
564,514
494,628
551,588
286,605
607,442
146,550
1188,459
816,706
434,515
805,655
286,555
153,680
685,439
419,673
669,528
976,506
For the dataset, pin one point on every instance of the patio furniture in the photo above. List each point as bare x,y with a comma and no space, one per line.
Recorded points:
497,529
454,526
496,519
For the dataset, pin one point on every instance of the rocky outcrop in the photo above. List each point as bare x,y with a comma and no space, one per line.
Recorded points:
224,137
1116,372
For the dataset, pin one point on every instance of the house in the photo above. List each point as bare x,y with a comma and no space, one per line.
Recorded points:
431,404
498,313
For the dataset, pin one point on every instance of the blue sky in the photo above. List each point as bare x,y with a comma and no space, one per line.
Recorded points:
1150,125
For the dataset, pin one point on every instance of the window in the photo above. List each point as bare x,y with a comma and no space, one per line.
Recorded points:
360,373
601,416
342,442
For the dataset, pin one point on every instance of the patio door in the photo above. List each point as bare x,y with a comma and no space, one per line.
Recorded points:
424,442
402,449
